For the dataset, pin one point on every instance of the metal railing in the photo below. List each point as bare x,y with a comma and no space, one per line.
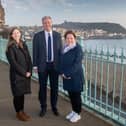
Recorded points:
105,73
105,83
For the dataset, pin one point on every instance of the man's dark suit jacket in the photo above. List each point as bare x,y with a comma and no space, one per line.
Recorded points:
39,50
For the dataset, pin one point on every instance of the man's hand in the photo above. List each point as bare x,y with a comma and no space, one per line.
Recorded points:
28,74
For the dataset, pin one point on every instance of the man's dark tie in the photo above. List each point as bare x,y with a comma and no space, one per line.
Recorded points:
49,47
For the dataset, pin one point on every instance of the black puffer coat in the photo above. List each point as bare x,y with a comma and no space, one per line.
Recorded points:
20,63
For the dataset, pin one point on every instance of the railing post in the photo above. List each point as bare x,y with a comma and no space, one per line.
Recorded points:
121,82
114,82
107,81
90,81
86,80
96,70
101,80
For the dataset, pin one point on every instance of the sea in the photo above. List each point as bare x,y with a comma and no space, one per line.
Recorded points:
111,45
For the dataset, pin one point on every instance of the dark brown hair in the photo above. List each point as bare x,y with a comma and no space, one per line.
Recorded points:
11,40
69,32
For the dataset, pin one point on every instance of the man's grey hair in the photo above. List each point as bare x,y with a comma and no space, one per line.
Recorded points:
46,17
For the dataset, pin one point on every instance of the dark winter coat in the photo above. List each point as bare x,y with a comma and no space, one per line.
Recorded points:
71,66
20,63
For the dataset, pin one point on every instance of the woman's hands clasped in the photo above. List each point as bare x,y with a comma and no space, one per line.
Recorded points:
63,76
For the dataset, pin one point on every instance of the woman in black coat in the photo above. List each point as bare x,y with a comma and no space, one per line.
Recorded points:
20,71
72,73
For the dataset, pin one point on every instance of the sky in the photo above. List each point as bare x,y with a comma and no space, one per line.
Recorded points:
30,12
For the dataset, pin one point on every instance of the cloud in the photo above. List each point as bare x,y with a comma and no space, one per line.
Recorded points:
68,10
21,8
39,4
85,10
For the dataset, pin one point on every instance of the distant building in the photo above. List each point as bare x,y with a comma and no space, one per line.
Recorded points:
2,15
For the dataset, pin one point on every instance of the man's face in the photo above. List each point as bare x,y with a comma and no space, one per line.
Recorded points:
47,24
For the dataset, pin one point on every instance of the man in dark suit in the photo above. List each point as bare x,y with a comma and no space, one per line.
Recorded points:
46,56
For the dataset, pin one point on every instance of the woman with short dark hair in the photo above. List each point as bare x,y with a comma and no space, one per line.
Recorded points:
72,74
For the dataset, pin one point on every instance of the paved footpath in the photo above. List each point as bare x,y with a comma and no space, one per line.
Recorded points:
7,113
